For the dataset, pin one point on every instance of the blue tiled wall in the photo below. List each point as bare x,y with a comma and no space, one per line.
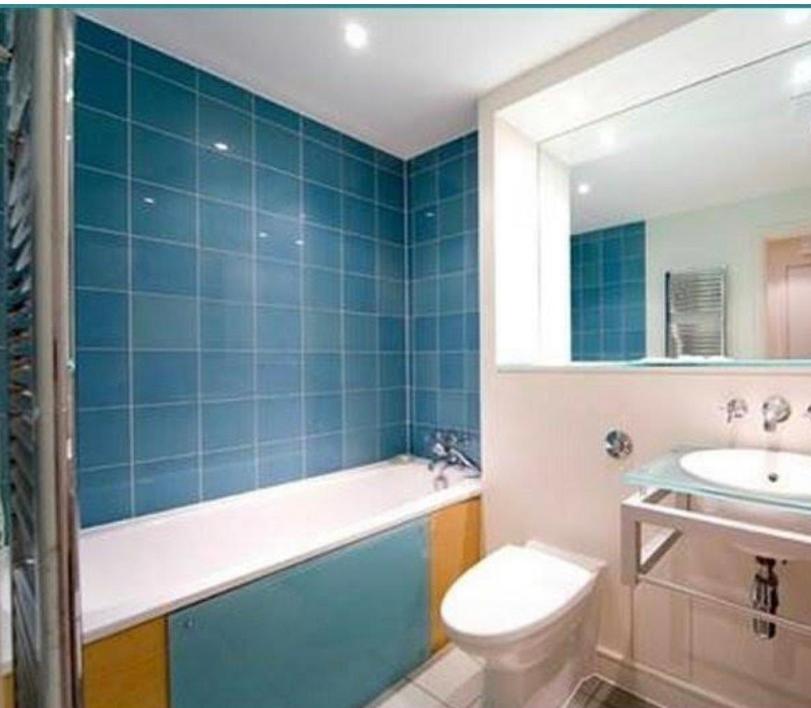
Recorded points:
240,278
608,294
5,30
443,289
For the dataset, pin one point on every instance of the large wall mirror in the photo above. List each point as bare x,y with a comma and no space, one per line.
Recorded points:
679,229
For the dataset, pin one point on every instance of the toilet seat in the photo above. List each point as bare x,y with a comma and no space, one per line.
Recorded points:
514,592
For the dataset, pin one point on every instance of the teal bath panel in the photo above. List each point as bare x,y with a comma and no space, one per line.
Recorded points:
333,632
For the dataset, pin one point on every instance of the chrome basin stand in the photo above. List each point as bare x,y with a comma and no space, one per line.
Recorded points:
638,559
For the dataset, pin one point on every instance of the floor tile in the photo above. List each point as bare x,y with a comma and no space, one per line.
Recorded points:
406,695
452,676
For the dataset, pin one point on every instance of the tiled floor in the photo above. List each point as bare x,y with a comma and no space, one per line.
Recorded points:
452,679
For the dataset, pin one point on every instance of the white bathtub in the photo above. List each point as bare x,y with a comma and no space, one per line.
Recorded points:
142,568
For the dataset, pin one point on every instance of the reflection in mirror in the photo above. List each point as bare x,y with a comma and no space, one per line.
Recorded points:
691,221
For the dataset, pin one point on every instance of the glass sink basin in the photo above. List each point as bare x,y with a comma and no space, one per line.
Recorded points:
784,474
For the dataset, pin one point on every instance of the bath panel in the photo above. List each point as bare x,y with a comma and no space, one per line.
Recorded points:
333,632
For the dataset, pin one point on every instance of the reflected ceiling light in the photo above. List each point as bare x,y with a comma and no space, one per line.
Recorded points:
149,200
221,146
796,16
263,234
356,36
583,188
801,74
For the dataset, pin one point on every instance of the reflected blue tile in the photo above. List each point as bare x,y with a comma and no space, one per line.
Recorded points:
452,410
323,413
451,217
322,133
162,322
273,112
451,149
322,246
322,289
163,213
451,254
359,177
102,378
101,141
226,276
280,462
104,495
451,371
279,418
360,293
426,260
163,104
393,441
425,407
452,293
390,189
390,225
101,319
451,178
225,91
101,81
165,431
360,332
101,260
391,336
471,171
222,126
324,454
226,325
163,159
100,200
163,268
279,237
357,148
166,484
425,333
278,193
228,424
391,297
225,178
426,370
225,227
358,216
425,223
278,374
164,377
322,373
391,261
164,65
321,164
103,437
95,35
228,472
278,147
278,328
423,188
452,332
322,331
472,331
360,255
278,283
226,374
322,205
425,294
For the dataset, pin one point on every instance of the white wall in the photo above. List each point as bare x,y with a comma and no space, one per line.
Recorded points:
546,476
733,235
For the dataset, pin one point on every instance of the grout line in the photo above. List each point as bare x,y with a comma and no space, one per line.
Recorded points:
198,307
130,282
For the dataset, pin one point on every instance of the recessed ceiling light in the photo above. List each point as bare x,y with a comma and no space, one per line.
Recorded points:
356,36
583,188
801,74
796,16
221,146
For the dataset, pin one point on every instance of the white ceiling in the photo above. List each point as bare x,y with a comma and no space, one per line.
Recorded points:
414,87
732,138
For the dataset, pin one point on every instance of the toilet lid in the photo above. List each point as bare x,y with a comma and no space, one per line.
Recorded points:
513,592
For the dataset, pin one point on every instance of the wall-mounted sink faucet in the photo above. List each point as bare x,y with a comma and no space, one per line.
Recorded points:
776,410
735,408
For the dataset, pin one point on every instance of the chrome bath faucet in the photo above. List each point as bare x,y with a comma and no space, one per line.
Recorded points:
776,410
446,452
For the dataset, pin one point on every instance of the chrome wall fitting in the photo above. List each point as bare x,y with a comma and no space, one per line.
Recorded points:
735,408
776,410
618,444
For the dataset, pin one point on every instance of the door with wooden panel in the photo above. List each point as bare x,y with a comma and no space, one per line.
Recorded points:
788,294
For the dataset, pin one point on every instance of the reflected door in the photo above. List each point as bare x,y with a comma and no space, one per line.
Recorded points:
789,298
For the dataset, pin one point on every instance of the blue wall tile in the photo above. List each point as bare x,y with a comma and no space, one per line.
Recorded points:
253,250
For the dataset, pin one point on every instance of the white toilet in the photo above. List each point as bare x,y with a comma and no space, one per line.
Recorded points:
531,612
